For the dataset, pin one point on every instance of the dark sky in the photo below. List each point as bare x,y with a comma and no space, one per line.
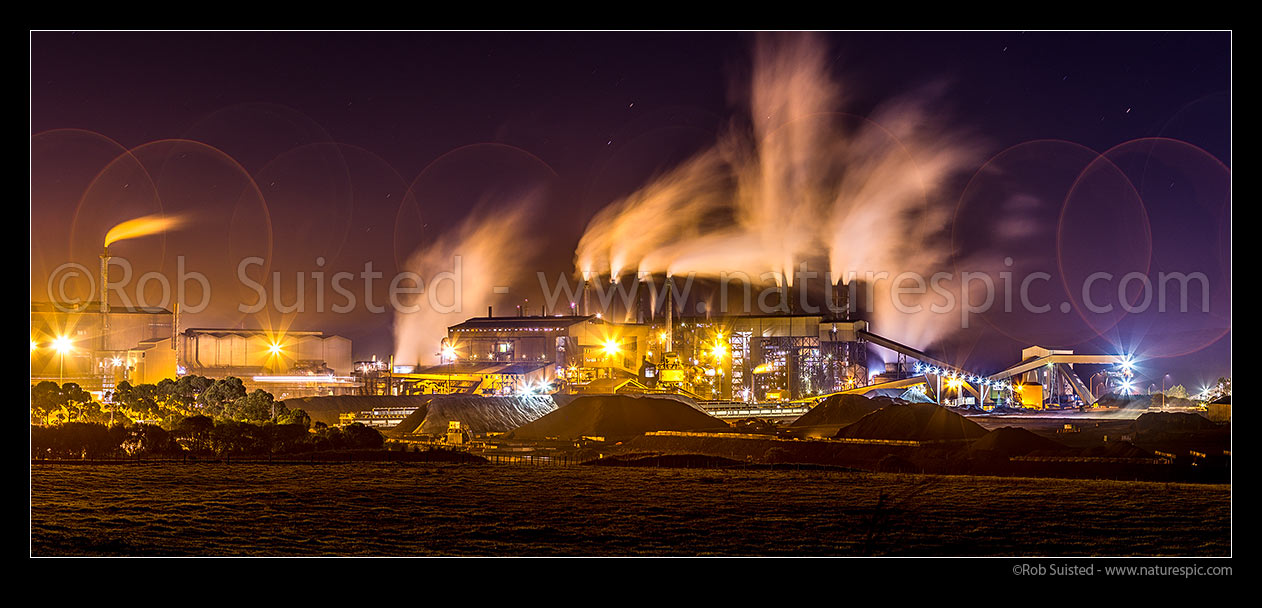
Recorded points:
594,114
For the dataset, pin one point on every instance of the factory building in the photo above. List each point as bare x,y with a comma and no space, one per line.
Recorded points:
731,358
576,341
97,350
761,358
523,354
487,378
286,364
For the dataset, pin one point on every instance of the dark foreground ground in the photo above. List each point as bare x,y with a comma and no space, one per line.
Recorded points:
427,509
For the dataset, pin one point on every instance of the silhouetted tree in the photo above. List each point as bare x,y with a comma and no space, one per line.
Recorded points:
46,400
294,416
256,406
195,431
149,440
219,397
362,437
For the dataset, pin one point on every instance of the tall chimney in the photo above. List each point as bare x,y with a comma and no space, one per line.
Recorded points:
105,279
586,300
105,299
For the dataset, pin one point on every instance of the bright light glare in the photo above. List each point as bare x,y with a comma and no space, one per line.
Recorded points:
611,347
62,344
274,348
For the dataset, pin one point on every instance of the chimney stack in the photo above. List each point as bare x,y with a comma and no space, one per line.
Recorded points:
105,298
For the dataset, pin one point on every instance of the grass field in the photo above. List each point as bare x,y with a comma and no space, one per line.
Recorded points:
415,509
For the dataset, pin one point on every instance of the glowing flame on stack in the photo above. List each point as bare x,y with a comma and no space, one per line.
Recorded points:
141,226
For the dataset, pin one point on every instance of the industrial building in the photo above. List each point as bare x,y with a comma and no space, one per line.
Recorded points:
722,359
286,364
1045,378
97,349
730,358
761,358
510,355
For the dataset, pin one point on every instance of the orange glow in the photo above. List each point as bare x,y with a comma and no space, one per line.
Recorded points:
141,226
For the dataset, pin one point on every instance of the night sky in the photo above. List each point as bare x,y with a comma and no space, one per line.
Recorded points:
335,127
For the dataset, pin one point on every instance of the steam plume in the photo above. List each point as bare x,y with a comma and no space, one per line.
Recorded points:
800,182
479,258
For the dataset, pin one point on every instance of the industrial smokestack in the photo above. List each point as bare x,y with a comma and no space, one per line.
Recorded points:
105,279
586,303
836,303
105,298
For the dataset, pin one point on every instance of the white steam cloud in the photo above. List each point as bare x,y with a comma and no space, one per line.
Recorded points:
477,257
803,182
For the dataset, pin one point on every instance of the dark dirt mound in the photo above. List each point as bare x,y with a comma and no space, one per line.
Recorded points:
915,422
1126,402
841,409
1171,422
477,415
1014,441
617,417
1117,449
326,409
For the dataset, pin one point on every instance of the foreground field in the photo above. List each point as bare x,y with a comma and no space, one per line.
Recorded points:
413,509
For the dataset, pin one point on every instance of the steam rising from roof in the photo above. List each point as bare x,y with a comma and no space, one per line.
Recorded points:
802,181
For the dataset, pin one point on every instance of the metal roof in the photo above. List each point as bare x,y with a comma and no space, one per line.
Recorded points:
520,323
94,308
251,332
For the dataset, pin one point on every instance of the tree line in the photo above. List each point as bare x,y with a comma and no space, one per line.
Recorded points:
163,404
198,436
192,415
